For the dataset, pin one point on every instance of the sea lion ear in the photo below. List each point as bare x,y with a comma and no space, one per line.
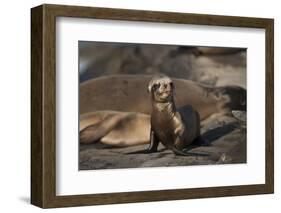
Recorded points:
172,85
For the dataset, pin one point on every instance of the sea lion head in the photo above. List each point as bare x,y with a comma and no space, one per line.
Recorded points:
161,89
235,97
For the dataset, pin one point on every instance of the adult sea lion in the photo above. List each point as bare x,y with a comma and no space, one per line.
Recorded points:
218,50
128,93
174,128
114,128
207,51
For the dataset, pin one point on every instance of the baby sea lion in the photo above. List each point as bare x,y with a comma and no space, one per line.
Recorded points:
174,128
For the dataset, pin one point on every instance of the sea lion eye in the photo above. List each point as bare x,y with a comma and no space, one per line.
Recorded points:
155,86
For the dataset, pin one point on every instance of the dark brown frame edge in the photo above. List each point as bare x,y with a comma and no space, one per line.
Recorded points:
43,105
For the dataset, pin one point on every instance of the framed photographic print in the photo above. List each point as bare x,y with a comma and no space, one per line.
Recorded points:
137,106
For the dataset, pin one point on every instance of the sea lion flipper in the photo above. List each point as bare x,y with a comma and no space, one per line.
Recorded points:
200,141
179,140
154,142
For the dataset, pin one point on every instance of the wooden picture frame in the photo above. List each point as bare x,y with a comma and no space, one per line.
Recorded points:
43,105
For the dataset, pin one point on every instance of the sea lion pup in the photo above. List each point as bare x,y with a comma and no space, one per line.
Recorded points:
174,128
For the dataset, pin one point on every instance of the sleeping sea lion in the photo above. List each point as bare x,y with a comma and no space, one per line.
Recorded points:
128,93
114,128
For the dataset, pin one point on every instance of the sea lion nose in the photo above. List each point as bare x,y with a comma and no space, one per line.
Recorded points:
162,87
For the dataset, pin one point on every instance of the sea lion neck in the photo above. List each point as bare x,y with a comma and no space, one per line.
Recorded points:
167,108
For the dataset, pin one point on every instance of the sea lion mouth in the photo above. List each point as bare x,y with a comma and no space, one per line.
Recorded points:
163,95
